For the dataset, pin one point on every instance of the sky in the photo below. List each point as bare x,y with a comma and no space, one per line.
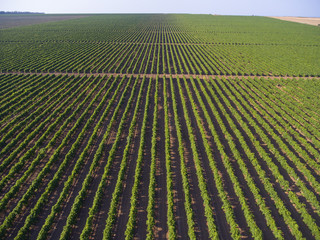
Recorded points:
301,8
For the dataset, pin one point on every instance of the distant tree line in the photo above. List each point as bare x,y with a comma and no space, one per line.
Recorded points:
17,12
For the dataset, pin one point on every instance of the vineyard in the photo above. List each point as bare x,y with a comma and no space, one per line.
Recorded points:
160,126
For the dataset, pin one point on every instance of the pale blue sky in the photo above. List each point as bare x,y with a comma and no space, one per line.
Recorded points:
303,8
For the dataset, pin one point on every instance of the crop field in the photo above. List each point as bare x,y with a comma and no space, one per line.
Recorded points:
160,126
14,20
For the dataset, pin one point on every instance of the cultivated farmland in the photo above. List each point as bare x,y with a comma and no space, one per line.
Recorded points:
160,126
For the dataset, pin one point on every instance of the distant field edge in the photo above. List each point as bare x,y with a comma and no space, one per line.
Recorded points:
306,20
19,20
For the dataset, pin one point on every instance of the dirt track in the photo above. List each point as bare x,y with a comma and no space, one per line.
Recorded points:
160,75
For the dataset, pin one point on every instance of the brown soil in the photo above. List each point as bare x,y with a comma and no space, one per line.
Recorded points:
254,99
221,221
160,205
87,201
179,197
128,181
305,20
54,168
201,228
141,216
276,185
102,214
289,161
66,206
260,219
33,141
